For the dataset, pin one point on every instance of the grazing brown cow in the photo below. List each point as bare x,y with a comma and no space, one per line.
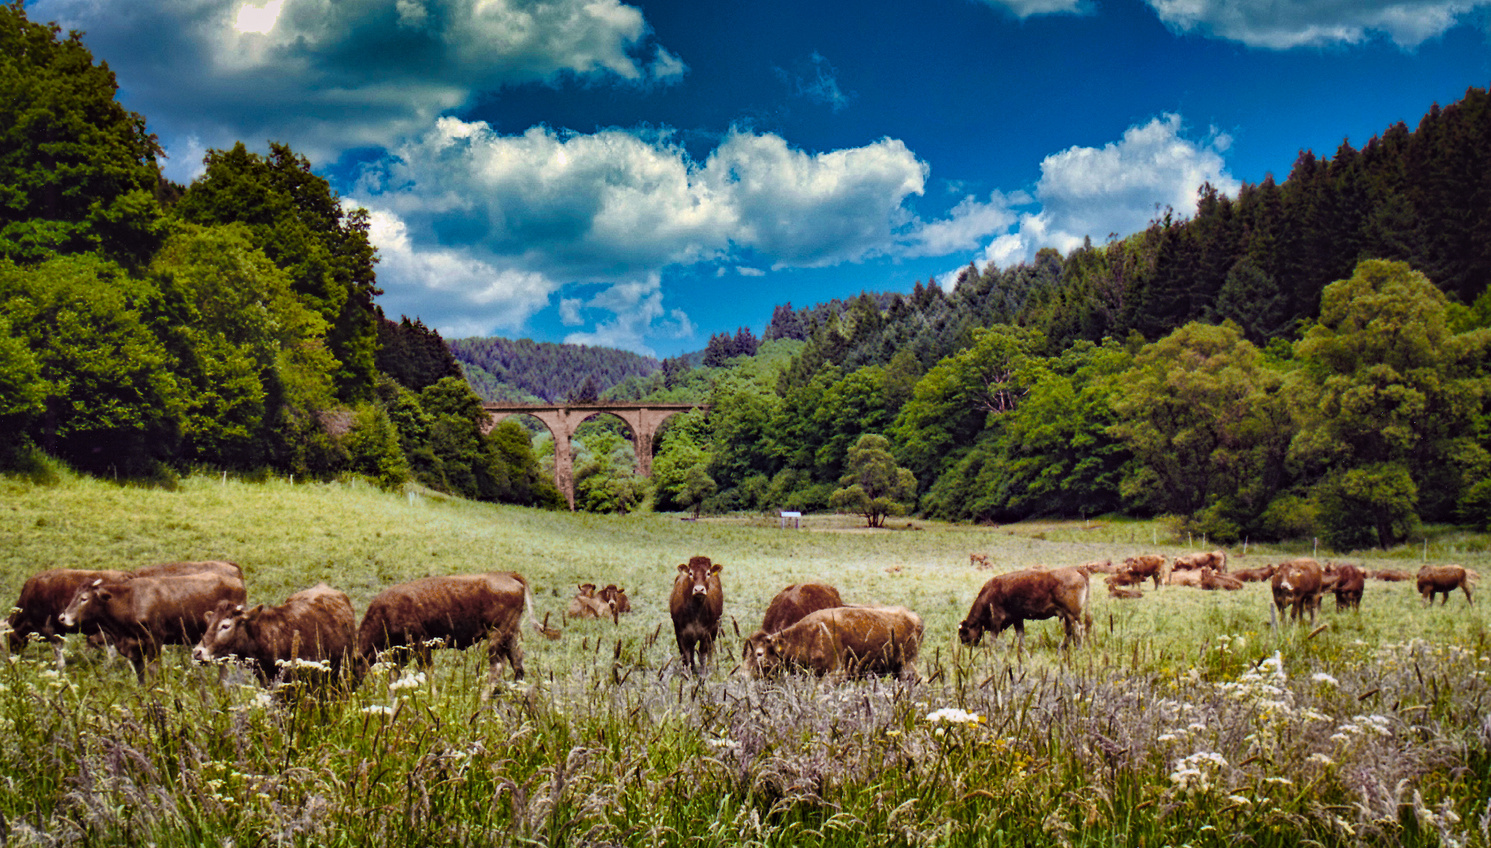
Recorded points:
1255,575
139,615
1012,599
841,641
44,596
457,611
1444,579
1215,560
697,602
314,625
587,604
1350,583
1212,581
1392,575
796,601
1148,567
1297,584
613,593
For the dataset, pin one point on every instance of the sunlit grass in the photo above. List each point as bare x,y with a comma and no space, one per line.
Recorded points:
1185,718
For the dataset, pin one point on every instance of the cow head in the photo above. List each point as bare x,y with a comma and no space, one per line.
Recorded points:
697,572
82,605
587,590
760,656
984,617
227,632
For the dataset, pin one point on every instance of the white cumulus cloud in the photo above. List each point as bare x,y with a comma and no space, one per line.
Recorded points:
327,75
1286,24
1115,189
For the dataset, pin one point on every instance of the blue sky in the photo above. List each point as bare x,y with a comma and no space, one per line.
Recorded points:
642,175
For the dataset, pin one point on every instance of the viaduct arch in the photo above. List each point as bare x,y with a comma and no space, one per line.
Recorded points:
563,419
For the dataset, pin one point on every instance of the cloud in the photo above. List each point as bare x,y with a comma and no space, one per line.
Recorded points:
328,75
1277,25
463,212
1029,8
1116,189
451,289
816,81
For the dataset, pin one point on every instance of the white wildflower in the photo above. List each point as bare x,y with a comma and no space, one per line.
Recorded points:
378,709
410,680
299,663
953,715
1322,677
723,743
1322,759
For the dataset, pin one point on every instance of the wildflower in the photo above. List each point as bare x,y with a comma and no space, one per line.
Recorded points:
953,715
378,709
1322,759
1240,800
723,743
1193,773
298,663
1322,677
410,680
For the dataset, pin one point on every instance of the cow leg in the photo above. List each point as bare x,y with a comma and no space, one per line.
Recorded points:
1466,587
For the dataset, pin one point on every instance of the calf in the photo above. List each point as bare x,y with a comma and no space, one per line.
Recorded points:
456,611
314,625
44,597
840,641
1392,575
1444,579
1124,593
979,560
696,604
1297,584
1012,599
1351,582
613,593
1148,567
586,604
139,615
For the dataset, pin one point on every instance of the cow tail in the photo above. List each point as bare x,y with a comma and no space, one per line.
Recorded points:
528,616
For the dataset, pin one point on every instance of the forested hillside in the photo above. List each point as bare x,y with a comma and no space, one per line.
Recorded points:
148,328
1305,359
525,371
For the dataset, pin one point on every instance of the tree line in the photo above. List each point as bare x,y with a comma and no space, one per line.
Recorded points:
148,327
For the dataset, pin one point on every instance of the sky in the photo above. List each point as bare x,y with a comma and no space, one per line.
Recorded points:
643,175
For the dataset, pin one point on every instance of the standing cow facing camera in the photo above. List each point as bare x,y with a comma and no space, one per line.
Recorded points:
697,602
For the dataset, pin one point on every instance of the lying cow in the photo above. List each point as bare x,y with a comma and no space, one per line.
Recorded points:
314,625
586,604
1444,579
455,611
1392,575
1212,581
44,597
1255,575
1148,567
1100,566
1215,560
1297,584
696,604
140,614
979,560
613,593
1124,593
1184,578
839,641
1350,583
1013,599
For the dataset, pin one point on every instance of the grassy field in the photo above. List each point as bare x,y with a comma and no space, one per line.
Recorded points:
1185,719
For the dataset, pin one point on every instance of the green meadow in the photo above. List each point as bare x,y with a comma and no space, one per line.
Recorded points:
1186,718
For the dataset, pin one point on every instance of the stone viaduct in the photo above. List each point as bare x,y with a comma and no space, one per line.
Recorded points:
562,420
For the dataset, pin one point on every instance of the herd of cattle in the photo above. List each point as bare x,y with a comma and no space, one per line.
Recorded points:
807,627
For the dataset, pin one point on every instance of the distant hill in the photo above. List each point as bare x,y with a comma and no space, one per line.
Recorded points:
526,371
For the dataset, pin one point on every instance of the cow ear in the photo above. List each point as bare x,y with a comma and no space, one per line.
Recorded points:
207,616
253,614
104,594
716,568
683,566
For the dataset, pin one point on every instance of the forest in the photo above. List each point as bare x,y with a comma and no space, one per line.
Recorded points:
1305,359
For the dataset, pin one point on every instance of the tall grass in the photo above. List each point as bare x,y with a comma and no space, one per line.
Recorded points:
1185,719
